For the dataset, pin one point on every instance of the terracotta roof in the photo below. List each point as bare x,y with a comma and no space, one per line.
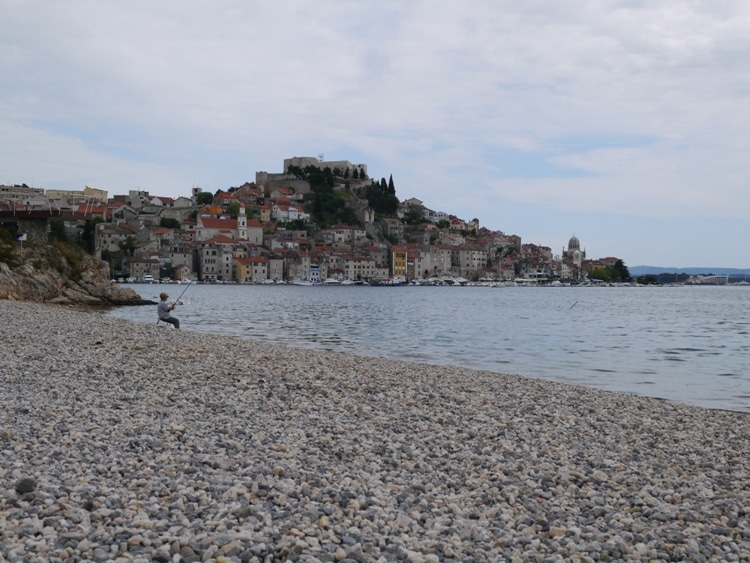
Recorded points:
220,239
212,223
83,208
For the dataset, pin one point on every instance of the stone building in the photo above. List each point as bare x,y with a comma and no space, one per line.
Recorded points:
574,253
572,260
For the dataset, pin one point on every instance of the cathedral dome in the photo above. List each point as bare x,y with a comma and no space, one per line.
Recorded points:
574,243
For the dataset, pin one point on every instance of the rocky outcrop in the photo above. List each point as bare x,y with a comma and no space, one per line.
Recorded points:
48,275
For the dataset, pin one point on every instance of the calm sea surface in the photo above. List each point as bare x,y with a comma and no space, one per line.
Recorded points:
686,344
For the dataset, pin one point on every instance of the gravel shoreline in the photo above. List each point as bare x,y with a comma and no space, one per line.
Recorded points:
122,441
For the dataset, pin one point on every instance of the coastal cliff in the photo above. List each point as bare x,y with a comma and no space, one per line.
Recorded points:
58,274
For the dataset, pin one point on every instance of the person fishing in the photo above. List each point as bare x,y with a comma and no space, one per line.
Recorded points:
165,309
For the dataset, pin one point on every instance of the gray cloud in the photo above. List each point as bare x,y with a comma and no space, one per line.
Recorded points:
640,106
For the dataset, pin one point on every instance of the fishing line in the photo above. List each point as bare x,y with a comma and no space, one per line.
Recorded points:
183,293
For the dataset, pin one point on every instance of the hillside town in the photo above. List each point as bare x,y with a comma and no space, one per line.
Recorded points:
267,231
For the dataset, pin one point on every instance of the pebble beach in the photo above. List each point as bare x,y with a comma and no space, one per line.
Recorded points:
123,441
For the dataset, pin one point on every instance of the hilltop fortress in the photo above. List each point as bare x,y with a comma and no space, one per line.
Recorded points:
272,181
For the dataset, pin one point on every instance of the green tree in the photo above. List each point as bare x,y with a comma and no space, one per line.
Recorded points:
233,209
648,279
616,273
347,216
604,274
380,199
413,216
296,225
623,274
169,223
88,236
320,180
296,171
329,207
9,248
390,238
204,198
57,231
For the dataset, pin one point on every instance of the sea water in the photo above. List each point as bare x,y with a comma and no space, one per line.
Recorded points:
688,344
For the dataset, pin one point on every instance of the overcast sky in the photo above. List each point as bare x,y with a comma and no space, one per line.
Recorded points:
626,123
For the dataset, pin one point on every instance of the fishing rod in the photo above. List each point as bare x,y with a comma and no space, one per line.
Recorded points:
170,319
183,293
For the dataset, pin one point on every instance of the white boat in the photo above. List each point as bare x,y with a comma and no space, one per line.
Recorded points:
331,281
301,282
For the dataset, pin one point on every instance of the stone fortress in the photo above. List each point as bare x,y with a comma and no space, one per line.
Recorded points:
271,181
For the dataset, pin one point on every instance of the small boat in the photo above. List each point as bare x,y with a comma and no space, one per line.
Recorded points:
331,281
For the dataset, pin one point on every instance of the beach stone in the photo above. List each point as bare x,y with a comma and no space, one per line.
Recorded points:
25,485
233,450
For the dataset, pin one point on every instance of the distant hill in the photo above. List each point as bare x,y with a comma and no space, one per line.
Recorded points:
636,271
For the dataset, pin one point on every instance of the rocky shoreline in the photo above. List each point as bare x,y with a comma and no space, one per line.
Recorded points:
45,274
122,441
